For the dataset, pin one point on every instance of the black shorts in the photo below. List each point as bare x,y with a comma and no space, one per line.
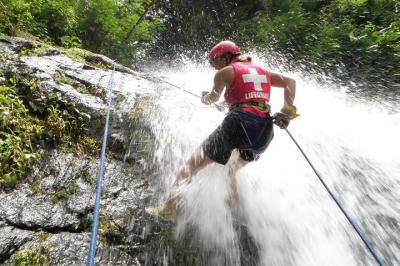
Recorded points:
240,130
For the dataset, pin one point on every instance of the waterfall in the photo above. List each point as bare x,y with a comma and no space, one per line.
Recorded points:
353,142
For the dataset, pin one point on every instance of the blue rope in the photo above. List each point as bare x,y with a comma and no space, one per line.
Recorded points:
92,250
354,225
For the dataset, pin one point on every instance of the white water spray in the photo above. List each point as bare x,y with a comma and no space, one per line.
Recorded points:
352,142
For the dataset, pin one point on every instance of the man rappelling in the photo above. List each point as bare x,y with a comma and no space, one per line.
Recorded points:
248,125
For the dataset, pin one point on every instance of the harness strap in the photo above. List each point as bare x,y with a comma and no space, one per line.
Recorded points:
261,106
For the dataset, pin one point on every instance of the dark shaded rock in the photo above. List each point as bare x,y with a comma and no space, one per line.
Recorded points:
52,51
14,44
11,239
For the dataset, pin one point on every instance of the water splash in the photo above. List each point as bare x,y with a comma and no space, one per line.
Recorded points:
289,216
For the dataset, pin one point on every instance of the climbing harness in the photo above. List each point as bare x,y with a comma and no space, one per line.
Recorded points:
95,225
353,224
261,106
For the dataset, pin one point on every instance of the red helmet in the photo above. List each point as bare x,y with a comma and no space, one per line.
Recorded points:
222,48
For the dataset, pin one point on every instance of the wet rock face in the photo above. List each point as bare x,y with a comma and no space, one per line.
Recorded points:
58,199
48,216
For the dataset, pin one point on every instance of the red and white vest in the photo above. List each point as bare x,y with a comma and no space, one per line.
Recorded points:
252,83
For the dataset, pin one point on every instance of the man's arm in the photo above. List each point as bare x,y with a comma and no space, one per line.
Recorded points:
288,84
222,78
288,111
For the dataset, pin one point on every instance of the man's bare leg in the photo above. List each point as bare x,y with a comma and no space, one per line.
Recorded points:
231,200
192,166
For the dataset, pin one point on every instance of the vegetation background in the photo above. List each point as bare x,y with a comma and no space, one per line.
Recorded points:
348,40
361,37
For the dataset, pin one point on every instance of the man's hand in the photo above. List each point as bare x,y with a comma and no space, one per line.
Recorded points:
220,107
287,113
204,97
281,120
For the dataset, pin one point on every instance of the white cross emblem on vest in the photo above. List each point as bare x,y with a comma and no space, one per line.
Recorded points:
255,78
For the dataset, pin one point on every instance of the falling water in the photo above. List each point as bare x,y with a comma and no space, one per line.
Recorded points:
353,142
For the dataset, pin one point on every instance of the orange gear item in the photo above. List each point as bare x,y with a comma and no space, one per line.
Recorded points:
290,111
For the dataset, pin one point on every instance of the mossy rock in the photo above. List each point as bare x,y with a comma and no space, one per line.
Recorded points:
35,255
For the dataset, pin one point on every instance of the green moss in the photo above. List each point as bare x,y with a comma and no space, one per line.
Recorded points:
77,54
109,232
43,236
60,78
85,57
114,182
64,194
26,35
35,186
40,48
33,256
85,175
9,180
36,49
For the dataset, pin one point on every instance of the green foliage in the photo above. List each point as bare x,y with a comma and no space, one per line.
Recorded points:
70,41
86,144
106,23
98,25
17,130
53,18
15,16
289,31
33,256
34,122
43,18
355,34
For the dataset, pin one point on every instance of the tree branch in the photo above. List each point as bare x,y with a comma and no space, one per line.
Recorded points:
146,10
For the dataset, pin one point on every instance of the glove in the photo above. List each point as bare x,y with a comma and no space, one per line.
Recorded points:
287,113
290,111
281,120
